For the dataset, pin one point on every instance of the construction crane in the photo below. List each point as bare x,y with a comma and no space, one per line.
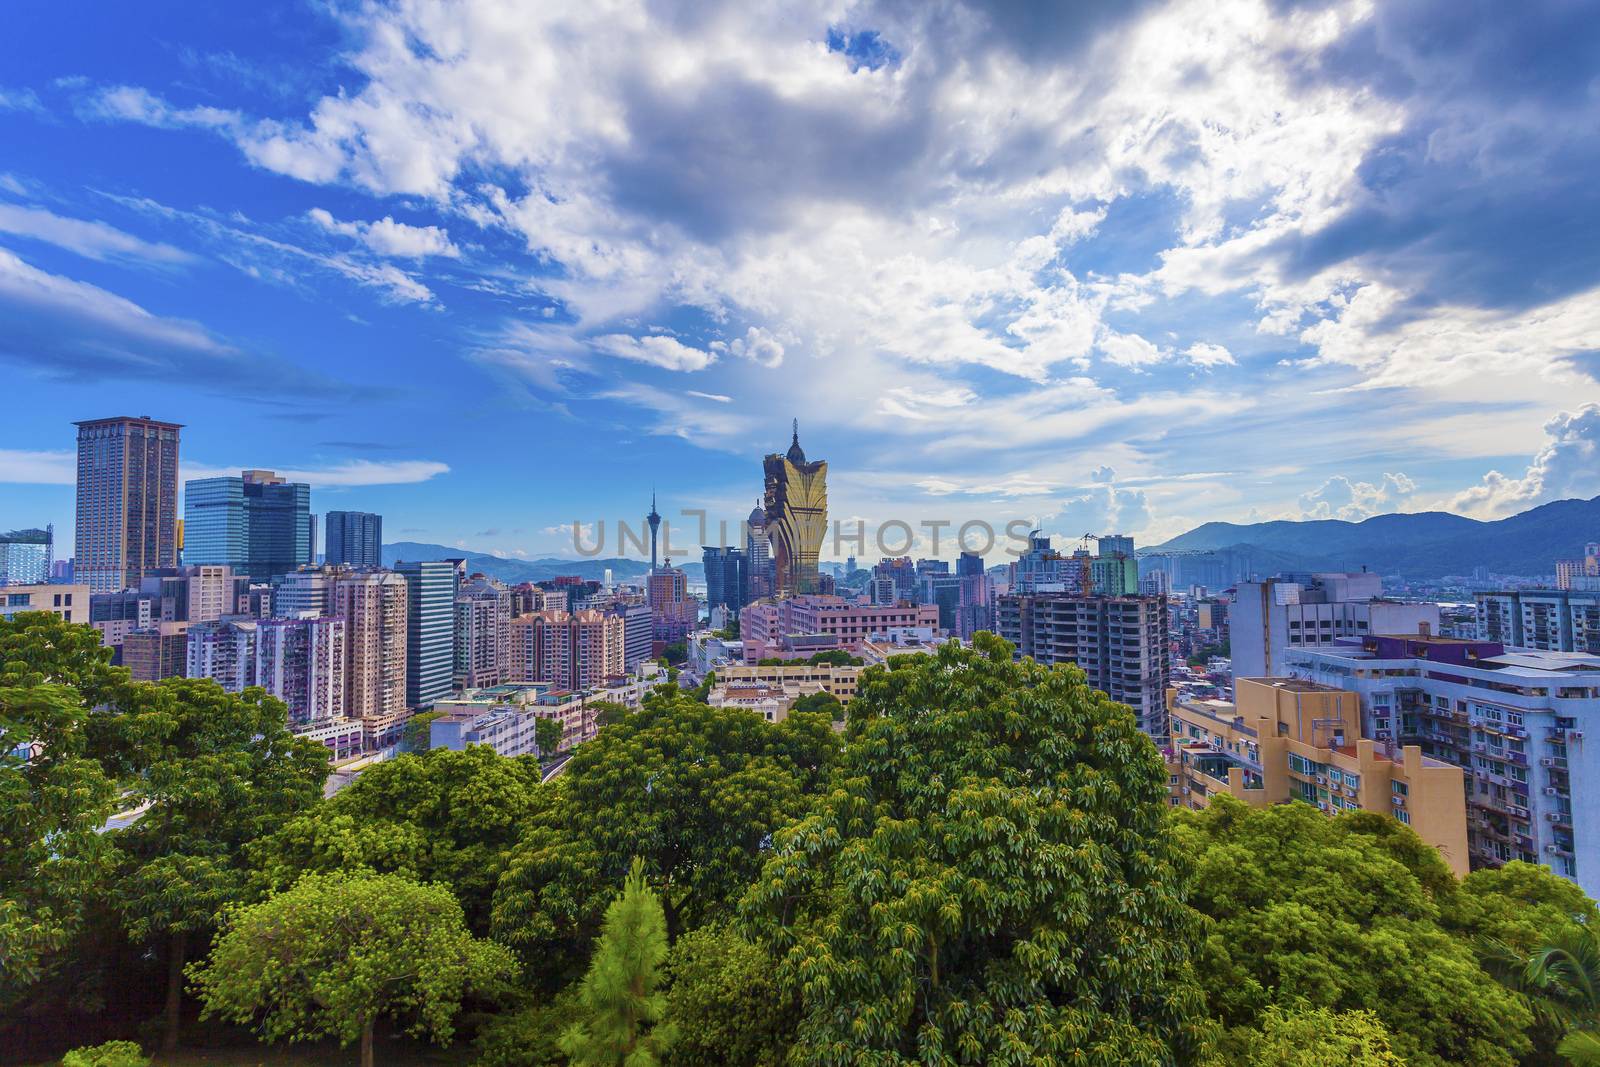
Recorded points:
1085,568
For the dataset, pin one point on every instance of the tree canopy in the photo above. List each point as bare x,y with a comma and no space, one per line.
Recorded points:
989,880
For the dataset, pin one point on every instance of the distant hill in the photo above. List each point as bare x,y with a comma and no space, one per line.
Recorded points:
513,571
1427,544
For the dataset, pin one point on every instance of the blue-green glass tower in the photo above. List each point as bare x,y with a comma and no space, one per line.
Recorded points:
258,524
430,629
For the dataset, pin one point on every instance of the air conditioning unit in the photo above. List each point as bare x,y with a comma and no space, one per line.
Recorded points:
1555,816
1480,747
1474,722
1552,849
1322,779
1547,761
1551,791
1399,800
1324,807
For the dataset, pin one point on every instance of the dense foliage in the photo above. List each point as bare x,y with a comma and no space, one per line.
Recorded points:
983,869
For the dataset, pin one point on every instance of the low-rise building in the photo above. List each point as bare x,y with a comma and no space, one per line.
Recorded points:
69,603
783,627
1288,739
771,702
840,682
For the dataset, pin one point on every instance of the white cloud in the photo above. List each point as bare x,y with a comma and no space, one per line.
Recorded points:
667,353
1131,350
1202,354
387,237
1567,466
38,468
19,100
350,474
1340,498
91,239
757,345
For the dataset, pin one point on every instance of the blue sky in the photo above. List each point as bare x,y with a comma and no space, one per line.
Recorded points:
489,267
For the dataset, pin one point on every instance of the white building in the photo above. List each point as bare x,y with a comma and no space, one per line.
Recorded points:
1548,620
1303,610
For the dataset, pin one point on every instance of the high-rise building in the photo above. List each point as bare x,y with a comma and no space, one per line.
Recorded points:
1514,720
127,514
1300,610
1547,620
194,594
771,629
224,652
353,538
673,611
1042,569
430,630
726,577
159,651
796,503
257,523
373,605
758,556
304,592
1119,642
975,605
301,662
569,650
483,618
900,571
116,614
26,556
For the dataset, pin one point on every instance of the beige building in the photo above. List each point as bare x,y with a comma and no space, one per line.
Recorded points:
158,651
483,633
570,650
373,607
127,497
841,682
1287,739
771,702
68,602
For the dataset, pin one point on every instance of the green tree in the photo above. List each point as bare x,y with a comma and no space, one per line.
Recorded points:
991,878
608,712
836,657
54,795
725,1002
1315,1037
110,1054
702,692
696,792
1344,914
620,1005
547,735
332,955
1561,979
431,816
820,703
219,771
415,734
675,653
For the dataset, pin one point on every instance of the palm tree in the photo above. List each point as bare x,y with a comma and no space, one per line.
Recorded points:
1561,979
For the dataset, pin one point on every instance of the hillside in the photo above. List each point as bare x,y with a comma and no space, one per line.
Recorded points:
526,570
1426,544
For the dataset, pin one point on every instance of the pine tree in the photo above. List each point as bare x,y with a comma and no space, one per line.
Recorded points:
621,1002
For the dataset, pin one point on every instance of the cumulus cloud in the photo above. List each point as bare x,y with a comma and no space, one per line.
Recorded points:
1202,354
759,346
1340,498
387,237
21,467
1567,466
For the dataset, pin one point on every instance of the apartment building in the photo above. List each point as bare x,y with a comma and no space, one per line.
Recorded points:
1120,643
1301,610
158,651
70,603
1287,739
373,606
768,629
1513,720
569,650
1546,620
841,682
127,501
482,633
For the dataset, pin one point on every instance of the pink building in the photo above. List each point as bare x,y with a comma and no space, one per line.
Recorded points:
767,629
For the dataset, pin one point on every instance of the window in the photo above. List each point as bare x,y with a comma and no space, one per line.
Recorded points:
1403,815
1399,788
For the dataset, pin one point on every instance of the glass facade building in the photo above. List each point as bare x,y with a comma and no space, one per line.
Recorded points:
25,556
258,524
430,630
354,538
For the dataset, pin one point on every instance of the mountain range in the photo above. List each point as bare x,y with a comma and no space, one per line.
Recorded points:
513,571
1424,544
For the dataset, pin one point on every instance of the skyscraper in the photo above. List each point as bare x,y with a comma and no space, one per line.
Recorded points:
483,618
796,517
257,523
26,556
758,556
127,520
354,538
725,577
430,630
373,606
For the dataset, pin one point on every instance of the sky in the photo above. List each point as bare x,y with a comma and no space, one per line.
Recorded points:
493,268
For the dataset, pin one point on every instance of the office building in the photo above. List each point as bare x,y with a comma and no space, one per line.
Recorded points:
1300,610
1287,739
127,501
726,577
373,606
194,594
1114,570
430,630
116,614
1119,642
673,611
70,603
159,651
483,618
757,556
796,506
27,556
902,576
1042,569
302,662
569,650
975,606
353,538
1513,720
1546,620
258,523
304,592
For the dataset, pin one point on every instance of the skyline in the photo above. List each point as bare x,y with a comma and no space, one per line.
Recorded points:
1283,261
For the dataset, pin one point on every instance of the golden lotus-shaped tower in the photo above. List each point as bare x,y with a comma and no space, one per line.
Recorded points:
797,517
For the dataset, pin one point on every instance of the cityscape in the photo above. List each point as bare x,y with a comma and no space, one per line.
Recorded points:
954,534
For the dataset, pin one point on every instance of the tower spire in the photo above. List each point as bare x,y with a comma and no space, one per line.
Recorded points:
654,519
796,431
